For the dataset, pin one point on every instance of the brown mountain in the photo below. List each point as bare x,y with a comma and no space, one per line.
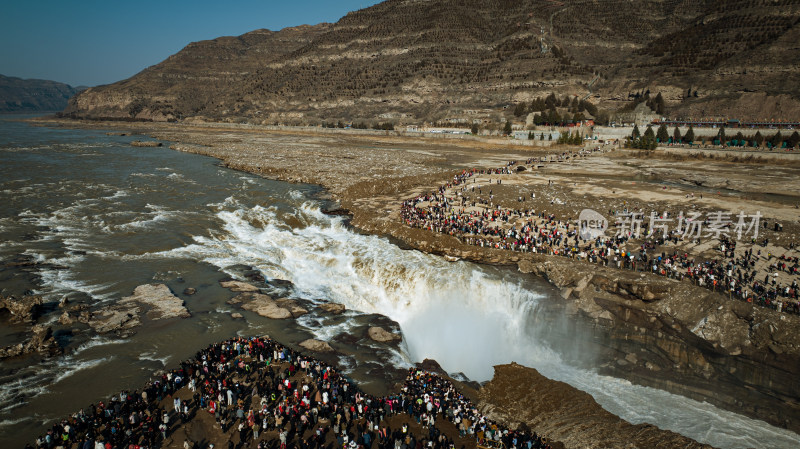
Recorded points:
408,61
30,95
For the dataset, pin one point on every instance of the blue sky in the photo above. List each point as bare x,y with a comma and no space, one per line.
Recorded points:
99,42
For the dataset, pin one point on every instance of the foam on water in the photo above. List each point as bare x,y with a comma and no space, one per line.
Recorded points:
454,313
58,282
323,330
70,367
157,216
97,341
11,422
153,357
32,381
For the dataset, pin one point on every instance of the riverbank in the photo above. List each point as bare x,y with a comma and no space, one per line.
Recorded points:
689,341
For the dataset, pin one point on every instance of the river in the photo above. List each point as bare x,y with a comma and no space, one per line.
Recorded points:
92,218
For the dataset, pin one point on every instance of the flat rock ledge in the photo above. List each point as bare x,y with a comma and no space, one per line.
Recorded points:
238,286
147,143
276,309
124,316
381,335
316,345
332,308
163,304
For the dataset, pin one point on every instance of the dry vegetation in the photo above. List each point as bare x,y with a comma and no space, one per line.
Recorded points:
409,62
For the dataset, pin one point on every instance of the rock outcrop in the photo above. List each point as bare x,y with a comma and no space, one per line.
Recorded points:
381,335
146,144
292,306
238,286
160,301
682,338
21,310
520,395
123,316
41,341
316,345
265,306
332,308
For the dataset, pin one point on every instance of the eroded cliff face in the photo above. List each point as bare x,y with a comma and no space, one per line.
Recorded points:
520,395
684,339
408,61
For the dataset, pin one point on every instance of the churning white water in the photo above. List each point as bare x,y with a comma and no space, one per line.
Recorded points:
459,314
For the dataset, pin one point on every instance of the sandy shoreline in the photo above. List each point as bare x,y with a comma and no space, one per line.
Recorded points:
371,175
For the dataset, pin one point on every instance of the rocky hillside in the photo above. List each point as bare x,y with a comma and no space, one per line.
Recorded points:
408,61
20,95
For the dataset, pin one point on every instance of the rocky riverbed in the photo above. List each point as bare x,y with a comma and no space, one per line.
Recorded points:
650,330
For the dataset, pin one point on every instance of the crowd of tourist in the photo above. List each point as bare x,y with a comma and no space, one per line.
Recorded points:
465,209
262,394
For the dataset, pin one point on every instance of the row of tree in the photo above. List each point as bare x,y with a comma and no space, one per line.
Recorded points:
570,139
778,140
662,135
553,118
388,126
551,103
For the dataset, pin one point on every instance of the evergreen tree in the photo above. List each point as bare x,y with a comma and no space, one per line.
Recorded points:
662,135
777,140
554,117
721,136
541,136
519,110
650,143
739,138
550,102
689,137
588,107
649,133
507,128
676,135
635,134
759,139
660,108
793,140
474,129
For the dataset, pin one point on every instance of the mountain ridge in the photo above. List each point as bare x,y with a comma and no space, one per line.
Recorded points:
19,95
414,61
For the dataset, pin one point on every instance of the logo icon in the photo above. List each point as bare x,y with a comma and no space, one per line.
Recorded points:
591,224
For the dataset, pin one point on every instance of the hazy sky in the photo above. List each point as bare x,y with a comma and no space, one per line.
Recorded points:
90,42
